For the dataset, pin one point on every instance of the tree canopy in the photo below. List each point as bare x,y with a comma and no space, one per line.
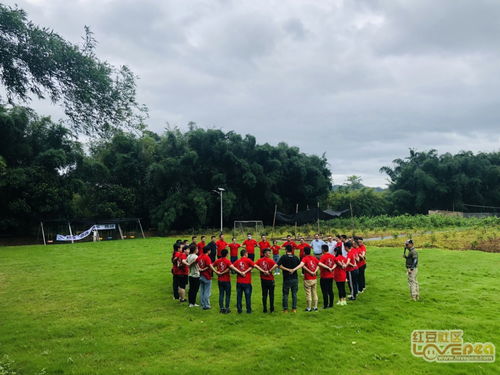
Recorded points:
36,62
425,180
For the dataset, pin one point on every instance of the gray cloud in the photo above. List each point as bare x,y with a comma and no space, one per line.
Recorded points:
362,81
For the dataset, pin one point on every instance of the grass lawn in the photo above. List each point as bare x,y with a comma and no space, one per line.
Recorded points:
107,308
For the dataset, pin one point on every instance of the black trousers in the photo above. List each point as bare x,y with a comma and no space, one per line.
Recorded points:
361,277
194,286
353,282
341,289
267,289
175,287
224,293
327,290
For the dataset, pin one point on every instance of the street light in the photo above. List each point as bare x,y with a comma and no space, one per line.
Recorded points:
219,191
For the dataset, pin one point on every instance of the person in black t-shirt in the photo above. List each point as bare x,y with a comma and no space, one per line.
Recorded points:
287,263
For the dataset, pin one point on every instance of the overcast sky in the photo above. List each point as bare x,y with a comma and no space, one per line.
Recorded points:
362,81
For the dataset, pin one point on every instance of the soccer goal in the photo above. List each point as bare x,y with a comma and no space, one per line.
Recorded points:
242,227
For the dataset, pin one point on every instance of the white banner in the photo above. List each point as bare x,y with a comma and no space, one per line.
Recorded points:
78,237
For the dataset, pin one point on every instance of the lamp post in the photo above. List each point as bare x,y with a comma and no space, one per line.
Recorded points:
219,191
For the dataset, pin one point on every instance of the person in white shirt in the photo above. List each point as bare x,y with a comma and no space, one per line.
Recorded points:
331,245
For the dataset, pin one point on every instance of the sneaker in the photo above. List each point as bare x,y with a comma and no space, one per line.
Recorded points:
285,311
227,311
222,311
315,309
264,310
344,303
308,309
206,308
182,300
239,311
339,303
191,305
352,298
294,310
195,305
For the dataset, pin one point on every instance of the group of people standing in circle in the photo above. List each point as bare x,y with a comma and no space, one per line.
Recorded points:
340,259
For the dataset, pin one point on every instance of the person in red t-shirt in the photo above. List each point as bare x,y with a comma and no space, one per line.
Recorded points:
266,267
243,268
303,244
361,264
327,264
175,280
339,275
221,267
204,263
234,246
276,255
250,244
221,245
182,272
291,243
352,269
263,244
200,245
310,265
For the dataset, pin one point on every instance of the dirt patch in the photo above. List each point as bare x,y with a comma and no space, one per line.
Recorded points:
490,246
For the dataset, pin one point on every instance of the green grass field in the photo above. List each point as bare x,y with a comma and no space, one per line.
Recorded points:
107,308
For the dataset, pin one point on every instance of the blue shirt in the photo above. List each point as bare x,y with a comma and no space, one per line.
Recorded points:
316,246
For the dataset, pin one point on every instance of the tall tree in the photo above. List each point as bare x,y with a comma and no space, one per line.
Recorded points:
37,62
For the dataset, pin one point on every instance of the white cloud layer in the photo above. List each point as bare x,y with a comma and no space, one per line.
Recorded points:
362,81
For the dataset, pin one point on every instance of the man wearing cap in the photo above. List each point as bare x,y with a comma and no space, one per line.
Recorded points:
411,266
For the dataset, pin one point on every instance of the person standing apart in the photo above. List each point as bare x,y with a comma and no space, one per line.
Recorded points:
266,267
222,267
287,263
316,245
310,264
411,256
250,244
243,268
327,265
204,263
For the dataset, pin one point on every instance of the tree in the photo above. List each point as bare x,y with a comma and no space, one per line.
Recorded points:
425,180
37,62
39,158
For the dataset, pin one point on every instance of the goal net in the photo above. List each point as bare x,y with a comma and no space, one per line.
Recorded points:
242,227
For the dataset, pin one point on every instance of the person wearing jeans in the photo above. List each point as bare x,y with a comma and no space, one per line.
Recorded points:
243,268
194,274
204,263
221,267
288,264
